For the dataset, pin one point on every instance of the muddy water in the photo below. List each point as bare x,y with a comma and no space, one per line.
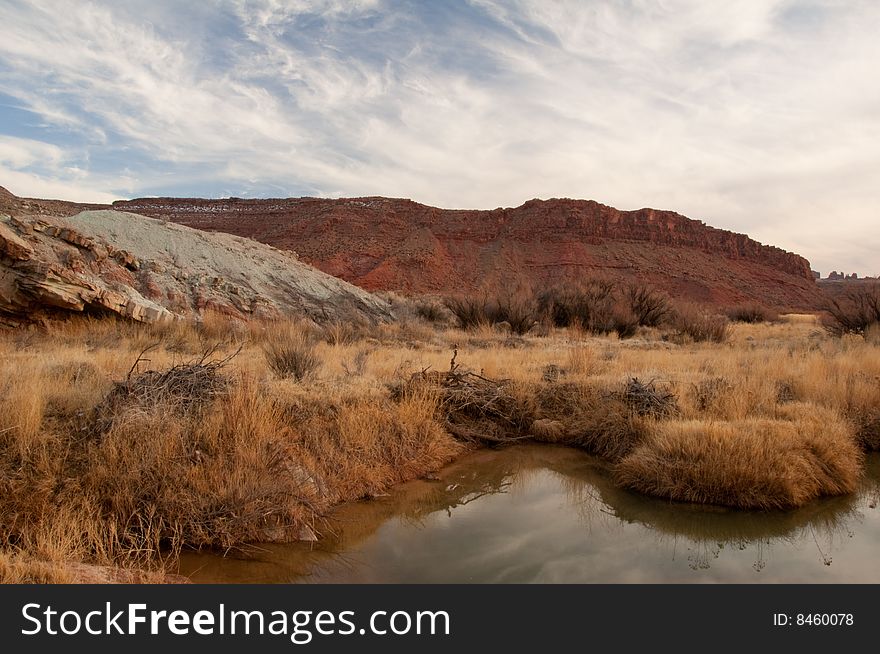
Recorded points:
536,513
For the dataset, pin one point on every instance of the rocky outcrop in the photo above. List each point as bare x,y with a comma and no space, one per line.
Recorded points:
149,270
382,243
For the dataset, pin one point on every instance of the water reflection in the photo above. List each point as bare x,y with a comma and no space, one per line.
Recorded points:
535,513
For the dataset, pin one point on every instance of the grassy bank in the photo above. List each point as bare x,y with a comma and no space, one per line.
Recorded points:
120,444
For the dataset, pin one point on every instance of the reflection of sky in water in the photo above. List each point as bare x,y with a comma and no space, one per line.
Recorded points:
545,514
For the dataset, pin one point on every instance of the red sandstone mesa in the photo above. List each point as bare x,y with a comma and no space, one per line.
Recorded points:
394,244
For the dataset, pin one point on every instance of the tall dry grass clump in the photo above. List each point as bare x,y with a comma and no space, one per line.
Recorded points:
290,350
700,324
23,569
221,476
358,445
753,463
22,409
588,418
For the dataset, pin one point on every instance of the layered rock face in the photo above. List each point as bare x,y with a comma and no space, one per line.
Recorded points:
382,243
149,270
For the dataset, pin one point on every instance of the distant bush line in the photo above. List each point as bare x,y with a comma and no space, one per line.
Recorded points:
596,306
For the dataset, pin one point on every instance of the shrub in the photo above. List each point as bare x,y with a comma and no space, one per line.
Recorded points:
432,311
855,312
872,334
470,310
752,313
589,305
650,308
517,309
593,306
623,322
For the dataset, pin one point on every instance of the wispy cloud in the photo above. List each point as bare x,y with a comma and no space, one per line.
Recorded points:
761,116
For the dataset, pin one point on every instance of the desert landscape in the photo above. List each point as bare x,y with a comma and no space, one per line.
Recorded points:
187,375
414,325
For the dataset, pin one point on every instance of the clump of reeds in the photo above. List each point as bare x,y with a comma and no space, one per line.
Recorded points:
225,477
586,417
867,424
359,445
24,569
709,393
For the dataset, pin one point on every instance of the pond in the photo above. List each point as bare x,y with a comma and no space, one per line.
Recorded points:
547,514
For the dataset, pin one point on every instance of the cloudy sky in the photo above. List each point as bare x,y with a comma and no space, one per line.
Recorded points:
761,116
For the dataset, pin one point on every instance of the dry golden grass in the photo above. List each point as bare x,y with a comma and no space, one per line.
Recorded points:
774,416
23,569
755,463
130,481
16,569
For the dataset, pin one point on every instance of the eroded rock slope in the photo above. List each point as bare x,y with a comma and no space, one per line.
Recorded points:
103,261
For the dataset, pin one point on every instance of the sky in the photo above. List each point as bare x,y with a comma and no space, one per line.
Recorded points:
759,116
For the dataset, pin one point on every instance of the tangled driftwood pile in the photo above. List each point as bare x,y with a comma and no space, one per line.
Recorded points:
648,399
478,409
184,387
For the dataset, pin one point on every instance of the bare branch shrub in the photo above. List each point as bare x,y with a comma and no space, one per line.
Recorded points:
854,313
752,313
650,307
517,309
